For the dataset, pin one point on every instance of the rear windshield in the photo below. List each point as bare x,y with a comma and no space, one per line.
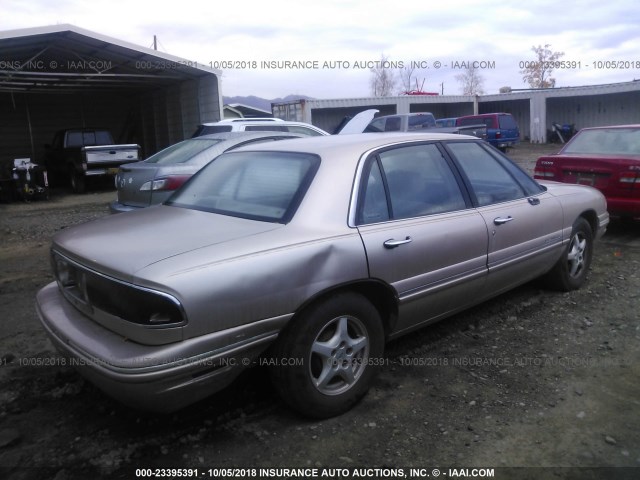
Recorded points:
266,186
266,128
421,121
465,122
89,138
507,122
182,152
615,141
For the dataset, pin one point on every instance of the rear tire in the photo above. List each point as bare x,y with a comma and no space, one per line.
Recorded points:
77,181
327,357
570,272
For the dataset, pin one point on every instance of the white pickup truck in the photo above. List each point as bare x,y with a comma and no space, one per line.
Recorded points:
79,153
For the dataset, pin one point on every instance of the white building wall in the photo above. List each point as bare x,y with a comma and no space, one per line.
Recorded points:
534,110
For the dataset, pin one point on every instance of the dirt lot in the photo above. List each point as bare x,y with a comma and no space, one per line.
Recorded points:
533,378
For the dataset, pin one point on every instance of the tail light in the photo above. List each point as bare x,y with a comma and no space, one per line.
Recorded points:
630,178
165,184
543,174
498,134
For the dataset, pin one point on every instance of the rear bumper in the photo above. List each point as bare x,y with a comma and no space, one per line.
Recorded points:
503,143
160,378
623,207
117,207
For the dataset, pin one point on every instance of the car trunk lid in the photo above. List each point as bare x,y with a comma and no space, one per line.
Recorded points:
129,180
134,182
611,174
121,245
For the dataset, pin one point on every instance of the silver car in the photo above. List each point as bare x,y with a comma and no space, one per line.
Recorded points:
153,180
310,253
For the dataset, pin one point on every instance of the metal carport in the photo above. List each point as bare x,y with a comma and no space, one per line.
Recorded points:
63,76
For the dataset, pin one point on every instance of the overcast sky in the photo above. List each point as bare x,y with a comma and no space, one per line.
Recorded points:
602,38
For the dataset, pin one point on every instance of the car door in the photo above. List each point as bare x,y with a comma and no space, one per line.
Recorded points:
420,232
524,222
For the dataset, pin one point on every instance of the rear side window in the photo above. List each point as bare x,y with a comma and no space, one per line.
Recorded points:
376,125
394,124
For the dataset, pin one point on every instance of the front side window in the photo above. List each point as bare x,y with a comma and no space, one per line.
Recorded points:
265,186
408,182
490,181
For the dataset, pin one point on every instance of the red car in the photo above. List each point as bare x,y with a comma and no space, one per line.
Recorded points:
607,158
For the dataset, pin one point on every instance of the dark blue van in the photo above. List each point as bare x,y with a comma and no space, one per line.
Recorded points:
502,129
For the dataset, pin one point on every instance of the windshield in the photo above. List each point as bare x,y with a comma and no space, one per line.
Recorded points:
616,141
182,152
265,186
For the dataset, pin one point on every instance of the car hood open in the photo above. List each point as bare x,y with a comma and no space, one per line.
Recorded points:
121,245
359,122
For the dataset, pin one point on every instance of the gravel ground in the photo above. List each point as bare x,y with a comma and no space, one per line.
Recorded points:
533,378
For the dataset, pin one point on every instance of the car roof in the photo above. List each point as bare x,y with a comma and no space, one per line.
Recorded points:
230,121
246,135
611,126
485,114
412,114
245,119
358,142
258,121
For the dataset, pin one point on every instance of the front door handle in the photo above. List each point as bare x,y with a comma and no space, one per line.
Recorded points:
502,220
391,243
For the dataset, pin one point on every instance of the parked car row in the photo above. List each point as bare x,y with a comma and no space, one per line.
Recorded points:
499,129
312,251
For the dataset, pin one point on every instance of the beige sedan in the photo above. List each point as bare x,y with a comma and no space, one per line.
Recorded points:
311,253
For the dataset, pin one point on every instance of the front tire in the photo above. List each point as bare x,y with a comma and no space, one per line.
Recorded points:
326,358
570,272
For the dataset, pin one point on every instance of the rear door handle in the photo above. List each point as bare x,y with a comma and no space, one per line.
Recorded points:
502,220
391,243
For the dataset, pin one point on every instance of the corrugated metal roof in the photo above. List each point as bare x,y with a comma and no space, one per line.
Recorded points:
69,59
